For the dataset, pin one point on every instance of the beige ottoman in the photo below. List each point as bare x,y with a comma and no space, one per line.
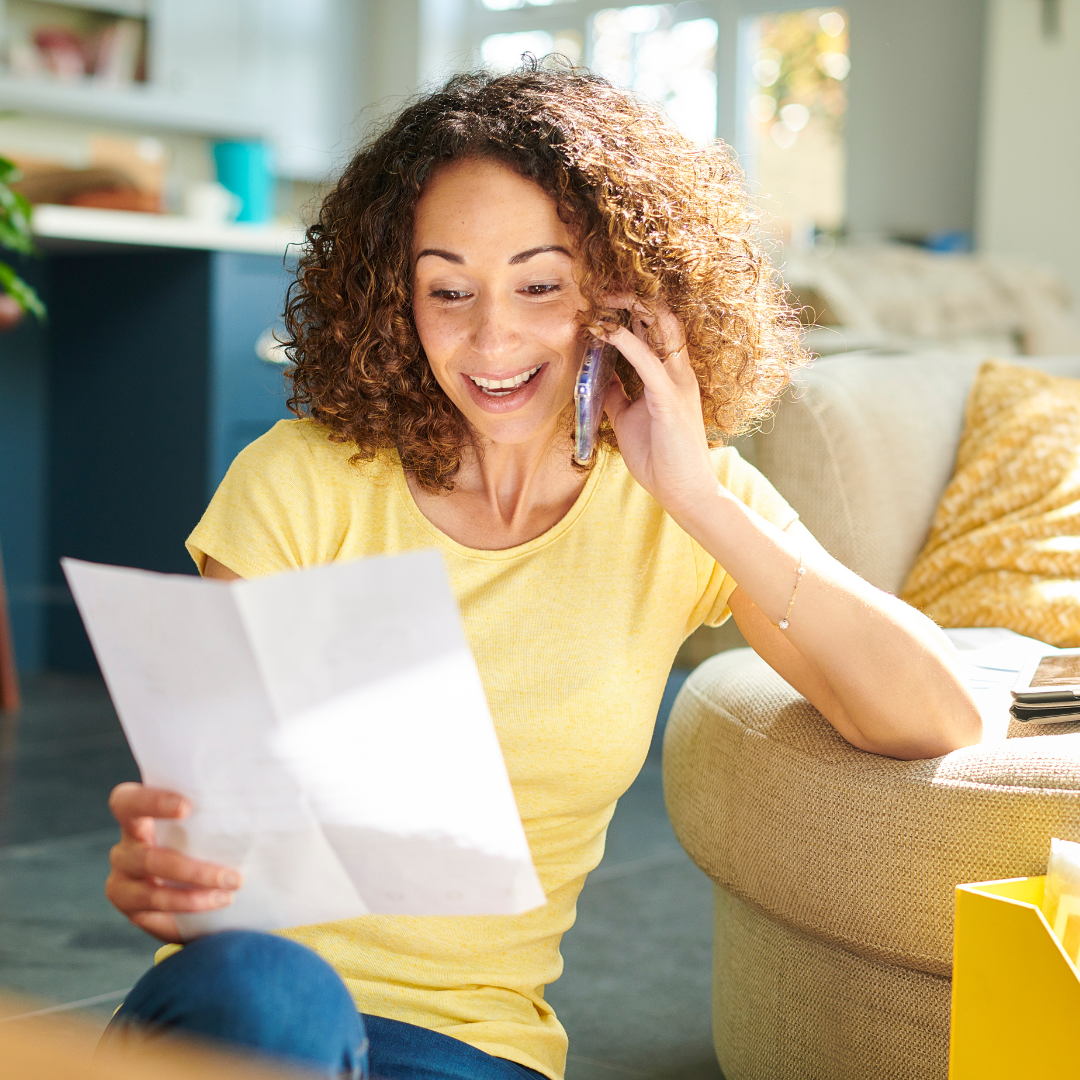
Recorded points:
835,870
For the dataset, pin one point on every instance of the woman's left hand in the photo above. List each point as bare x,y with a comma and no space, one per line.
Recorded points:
661,435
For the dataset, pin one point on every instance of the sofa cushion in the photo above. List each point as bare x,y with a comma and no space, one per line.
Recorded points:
854,849
1004,546
864,446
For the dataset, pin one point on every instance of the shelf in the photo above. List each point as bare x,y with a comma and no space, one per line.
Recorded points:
143,105
76,227
134,8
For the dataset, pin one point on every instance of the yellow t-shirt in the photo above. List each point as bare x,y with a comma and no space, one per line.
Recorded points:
574,634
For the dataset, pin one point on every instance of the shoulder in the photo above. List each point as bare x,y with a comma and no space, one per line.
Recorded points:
750,486
287,500
731,469
294,444
303,451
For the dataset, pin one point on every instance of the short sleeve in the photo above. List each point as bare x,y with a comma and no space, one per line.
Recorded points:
274,510
748,485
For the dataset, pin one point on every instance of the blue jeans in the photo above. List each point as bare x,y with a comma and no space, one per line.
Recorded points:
283,1001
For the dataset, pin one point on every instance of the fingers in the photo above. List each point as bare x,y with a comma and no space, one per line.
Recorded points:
134,897
135,806
672,335
148,883
160,924
646,363
142,861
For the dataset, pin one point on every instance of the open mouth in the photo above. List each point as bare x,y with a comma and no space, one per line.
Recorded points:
504,387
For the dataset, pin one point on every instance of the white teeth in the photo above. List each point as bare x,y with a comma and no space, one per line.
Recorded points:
504,385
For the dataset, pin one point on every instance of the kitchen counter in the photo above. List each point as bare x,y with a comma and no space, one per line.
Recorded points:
79,228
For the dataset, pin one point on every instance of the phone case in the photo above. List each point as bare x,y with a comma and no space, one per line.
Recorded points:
592,382
1050,713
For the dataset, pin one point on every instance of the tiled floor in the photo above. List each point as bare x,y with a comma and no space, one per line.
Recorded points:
634,996
60,940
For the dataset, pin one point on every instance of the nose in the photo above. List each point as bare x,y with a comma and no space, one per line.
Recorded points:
494,331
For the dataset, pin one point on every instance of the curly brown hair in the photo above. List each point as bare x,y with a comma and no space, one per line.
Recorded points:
653,215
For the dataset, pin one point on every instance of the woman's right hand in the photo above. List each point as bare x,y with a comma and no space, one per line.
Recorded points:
149,884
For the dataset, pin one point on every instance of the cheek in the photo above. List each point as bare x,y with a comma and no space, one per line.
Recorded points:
559,325
436,334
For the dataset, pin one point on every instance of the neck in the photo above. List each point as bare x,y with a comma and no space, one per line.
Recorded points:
505,494
515,481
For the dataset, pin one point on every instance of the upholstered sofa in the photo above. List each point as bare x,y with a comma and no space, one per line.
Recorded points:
834,870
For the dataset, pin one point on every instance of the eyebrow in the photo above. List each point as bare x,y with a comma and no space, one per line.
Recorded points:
525,256
515,260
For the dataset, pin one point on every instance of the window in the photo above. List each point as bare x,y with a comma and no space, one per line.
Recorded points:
663,51
503,52
671,61
796,65
509,5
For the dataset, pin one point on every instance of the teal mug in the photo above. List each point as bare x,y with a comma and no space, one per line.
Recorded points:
245,169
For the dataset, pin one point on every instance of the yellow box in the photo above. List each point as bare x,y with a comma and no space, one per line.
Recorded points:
1015,992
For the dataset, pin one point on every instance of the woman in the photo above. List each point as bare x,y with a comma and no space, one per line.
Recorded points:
438,322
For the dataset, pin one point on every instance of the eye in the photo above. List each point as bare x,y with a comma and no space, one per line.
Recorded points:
540,290
449,295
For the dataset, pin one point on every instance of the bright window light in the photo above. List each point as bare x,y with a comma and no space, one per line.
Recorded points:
503,52
509,5
672,62
797,65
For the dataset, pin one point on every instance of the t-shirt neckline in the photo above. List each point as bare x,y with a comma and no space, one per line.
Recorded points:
553,534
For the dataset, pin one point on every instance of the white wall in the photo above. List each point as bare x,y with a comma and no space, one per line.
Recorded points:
913,121
1029,194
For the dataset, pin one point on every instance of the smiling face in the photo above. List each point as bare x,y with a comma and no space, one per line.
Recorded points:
495,300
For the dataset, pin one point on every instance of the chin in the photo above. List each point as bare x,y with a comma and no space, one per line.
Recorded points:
514,432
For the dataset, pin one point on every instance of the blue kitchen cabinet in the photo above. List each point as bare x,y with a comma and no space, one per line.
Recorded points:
154,386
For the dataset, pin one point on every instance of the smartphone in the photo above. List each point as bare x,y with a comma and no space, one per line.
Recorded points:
1047,688
592,382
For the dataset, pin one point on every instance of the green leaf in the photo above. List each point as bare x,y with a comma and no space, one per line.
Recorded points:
15,210
9,171
14,238
23,203
22,293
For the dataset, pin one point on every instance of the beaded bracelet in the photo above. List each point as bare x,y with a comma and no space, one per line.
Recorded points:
800,572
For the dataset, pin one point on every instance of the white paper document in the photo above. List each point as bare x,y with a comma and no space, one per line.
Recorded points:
330,729
990,660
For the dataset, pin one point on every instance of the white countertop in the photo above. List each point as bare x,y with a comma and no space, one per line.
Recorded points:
73,227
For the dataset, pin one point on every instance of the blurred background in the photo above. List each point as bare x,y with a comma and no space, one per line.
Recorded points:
915,164
876,136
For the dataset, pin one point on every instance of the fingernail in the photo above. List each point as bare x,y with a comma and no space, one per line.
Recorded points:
230,879
222,899
172,804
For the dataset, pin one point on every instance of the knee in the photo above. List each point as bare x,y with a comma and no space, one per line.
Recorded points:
253,989
243,964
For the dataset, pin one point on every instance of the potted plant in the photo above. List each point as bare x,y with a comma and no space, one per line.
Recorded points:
15,236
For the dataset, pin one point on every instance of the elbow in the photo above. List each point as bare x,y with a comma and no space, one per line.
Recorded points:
967,731
931,737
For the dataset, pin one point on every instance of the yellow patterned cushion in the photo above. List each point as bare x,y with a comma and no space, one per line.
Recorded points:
1004,547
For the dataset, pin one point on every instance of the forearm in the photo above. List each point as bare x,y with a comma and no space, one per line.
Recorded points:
880,671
